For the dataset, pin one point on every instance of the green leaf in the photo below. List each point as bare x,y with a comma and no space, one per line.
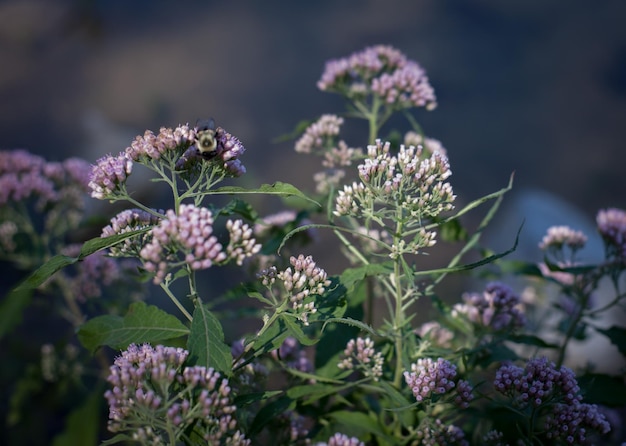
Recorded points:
295,330
354,323
617,336
452,231
117,439
530,340
353,276
142,323
206,342
358,423
603,389
11,309
249,398
82,423
269,412
241,208
59,261
278,188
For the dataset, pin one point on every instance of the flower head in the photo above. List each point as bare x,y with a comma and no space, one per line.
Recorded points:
152,383
497,308
428,378
360,354
612,227
151,146
560,236
381,71
108,176
576,423
340,439
128,221
241,243
188,234
438,433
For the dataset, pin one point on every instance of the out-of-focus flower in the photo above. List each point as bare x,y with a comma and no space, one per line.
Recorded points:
381,71
150,384
94,272
360,354
293,356
339,439
183,238
428,378
559,236
497,308
435,333
430,144
612,227
438,433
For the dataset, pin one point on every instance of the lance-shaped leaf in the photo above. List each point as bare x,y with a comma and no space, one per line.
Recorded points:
142,323
278,188
206,342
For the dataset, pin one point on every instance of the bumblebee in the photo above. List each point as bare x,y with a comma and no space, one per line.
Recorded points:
206,143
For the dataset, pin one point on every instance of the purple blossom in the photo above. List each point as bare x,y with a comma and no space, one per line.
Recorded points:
437,433
293,356
108,176
95,271
339,439
128,221
151,146
576,423
559,236
406,87
428,378
464,394
229,149
187,234
497,308
538,383
360,354
612,227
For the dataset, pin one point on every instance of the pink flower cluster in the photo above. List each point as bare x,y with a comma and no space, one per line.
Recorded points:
382,71
559,236
437,433
151,383
108,176
612,227
24,175
293,356
360,354
340,439
497,308
128,221
154,146
187,234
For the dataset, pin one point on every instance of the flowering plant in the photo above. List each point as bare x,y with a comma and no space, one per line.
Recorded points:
344,359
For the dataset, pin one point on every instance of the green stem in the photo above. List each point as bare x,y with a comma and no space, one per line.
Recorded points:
398,317
176,301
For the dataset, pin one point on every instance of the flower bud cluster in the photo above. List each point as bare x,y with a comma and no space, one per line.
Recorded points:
229,149
383,72
56,365
359,354
320,135
538,383
151,387
341,440
438,433
151,146
302,283
429,378
497,308
108,176
418,185
576,423
241,243
559,236
128,221
436,334
612,227
187,234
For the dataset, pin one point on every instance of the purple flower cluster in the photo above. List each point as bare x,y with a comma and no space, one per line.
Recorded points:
189,234
360,354
341,440
151,387
436,334
612,227
108,176
320,135
438,433
576,423
293,356
428,378
538,383
151,146
24,175
95,271
382,71
229,149
497,308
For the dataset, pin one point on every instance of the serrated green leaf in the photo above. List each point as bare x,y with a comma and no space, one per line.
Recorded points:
530,340
617,336
241,208
296,331
206,342
142,323
278,188
354,323
82,423
249,398
352,276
